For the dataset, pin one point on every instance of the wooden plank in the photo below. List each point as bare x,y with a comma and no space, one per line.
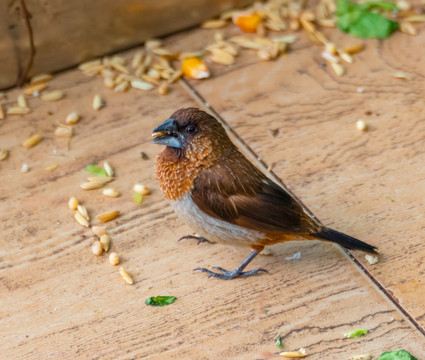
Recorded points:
58,300
298,116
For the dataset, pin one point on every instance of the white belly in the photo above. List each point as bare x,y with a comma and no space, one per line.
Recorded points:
211,228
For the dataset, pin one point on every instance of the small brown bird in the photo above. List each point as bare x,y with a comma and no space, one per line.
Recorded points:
215,190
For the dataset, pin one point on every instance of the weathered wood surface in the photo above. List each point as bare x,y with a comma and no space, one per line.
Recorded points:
58,300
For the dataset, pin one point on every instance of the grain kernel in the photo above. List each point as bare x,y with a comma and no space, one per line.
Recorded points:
83,211
22,102
52,167
353,49
123,87
361,357
25,168
338,68
72,118
194,68
214,24
301,353
73,203
371,259
107,216
114,259
141,189
41,78
81,219
62,131
105,241
163,89
108,168
141,85
52,95
32,141
110,192
98,230
1,112
97,248
126,276
361,125
3,154
98,102
17,110
34,89
95,183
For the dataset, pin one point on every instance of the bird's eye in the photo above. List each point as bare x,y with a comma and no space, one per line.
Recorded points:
190,129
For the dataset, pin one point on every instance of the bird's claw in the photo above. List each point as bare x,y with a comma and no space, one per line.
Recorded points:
229,275
200,239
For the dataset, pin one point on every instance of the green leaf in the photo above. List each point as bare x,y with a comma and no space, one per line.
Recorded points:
359,21
95,170
397,355
160,300
355,333
279,341
137,197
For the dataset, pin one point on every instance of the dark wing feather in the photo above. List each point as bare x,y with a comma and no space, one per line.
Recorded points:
248,198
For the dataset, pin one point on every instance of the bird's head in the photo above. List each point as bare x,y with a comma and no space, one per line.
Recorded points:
191,133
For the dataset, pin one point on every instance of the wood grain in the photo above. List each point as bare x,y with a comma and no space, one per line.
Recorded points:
59,301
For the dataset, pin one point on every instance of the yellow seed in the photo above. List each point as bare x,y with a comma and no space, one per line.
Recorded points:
107,216
218,36
62,131
403,5
126,276
73,203
22,102
197,54
52,167
120,68
52,95
25,168
154,74
353,49
97,248
294,24
141,85
110,192
371,259
416,18
41,78
301,353
72,118
32,141
36,88
114,259
152,43
163,52
141,189
361,357
83,211
194,68
137,59
17,110
402,75
150,80
109,82
104,179
98,230
407,28
214,24
89,66
94,184
361,125
346,57
108,168
175,76
1,113
98,102
330,48
105,241
3,154
122,87
163,89
81,219
338,68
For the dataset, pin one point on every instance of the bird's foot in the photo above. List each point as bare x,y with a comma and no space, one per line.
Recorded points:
229,275
200,239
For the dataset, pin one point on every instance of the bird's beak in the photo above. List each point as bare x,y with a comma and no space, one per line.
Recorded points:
166,134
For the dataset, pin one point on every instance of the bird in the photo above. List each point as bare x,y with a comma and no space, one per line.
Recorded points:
224,198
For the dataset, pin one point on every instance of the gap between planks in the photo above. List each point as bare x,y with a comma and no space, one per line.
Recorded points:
386,295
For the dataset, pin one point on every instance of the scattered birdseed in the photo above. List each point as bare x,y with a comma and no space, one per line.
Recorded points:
32,141
114,259
361,357
73,203
3,154
361,125
98,230
97,248
141,85
83,211
17,110
110,192
371,259
40,78
54,95
72,118
141,189
1,112
62,131
22,102
81,219
301,353
108,168
107,216
126,276
25,168
105,241
98,102
52,167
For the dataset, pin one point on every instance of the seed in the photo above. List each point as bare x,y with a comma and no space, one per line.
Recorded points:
105,241
109,82
108,168
62,131
353,49
88,66
25,168
152,43
53,95
197,54
107,216
294,24
52,167
98,102
137,59
122,87
141,189
222,57
32,141
246,21
402,75
361,357
94,183
33,89
72,118
371,259
104,179
338,68
361,125
163,89
81,219
141,85
150,80
218,36
22,102
120,68
403,5
1,113
214,24
114,259
126,276
73,203
17,110
330,23
110,192
3,154
98,230
194,68
308,16
329,57
163,52
416,18
175,76
407,28
330,48
83,211
41,78
307,25
97,248
346,57
294,354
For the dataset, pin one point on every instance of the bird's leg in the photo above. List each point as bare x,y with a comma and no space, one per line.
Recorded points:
238,272
200,239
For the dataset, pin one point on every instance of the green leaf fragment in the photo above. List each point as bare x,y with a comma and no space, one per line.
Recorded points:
96,170
359,21
279,341
137,197
355,333
397,355
160,300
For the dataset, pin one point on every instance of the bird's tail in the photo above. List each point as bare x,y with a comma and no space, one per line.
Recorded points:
345,241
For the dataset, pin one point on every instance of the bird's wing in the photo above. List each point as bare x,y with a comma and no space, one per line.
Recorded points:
252,201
